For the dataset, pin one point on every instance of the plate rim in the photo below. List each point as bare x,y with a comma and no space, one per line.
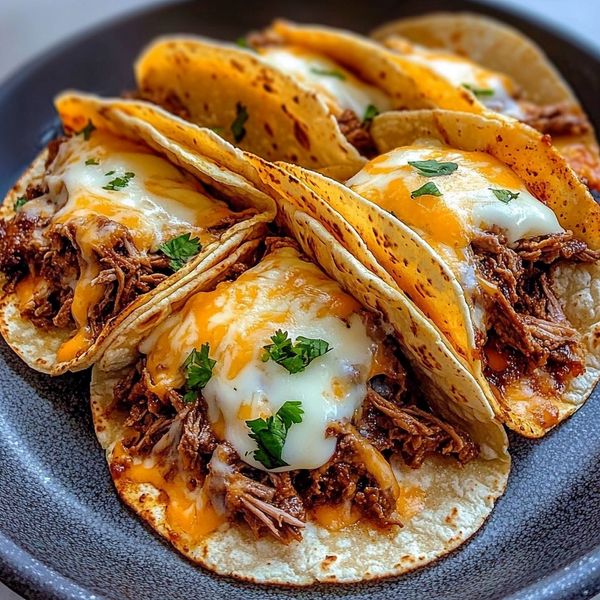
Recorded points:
27,576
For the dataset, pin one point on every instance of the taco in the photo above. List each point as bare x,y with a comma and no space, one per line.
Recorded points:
273,430
487,230
131,205
302,94
472,63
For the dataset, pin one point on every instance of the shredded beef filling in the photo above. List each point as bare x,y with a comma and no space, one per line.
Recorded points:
266,502
30,245
357,132
555,119
393,421
526,323
150,419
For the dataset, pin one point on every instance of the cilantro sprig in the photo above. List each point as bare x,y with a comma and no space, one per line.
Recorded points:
91,161
20,203
479,92
433,168
429,189
370,113
504,195
328,73
180,250
270,434
198,368
86,131
118,183
237,127
294,357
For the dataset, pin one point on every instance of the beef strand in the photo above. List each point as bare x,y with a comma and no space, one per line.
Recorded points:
357,133
562,118
524,315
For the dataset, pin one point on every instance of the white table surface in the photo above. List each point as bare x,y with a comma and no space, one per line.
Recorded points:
28,27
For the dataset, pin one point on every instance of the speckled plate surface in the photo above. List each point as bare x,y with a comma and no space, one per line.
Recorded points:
64,534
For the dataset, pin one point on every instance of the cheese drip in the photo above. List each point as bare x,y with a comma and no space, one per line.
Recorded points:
342,89
460,71
237,319
467,203
154,200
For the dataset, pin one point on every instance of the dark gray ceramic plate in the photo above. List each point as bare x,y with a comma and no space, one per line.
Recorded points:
63,533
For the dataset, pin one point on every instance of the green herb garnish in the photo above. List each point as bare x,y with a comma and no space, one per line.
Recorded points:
198,367
237,127
118,183
109,173
242,42
297,356
429,189
91,161
371,112
433,168
270,434
504,195
86,132
19,203
328,73
217,130
180,249
479,92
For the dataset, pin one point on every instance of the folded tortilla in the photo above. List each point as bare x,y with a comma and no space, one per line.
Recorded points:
508,196
473,63
300,93
86,231
440,504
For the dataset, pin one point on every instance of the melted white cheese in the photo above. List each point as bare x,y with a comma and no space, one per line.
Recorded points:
459,71
467,202
343,89
158,203
237,320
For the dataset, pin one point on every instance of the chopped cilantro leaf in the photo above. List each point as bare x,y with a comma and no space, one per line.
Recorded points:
429,189
118,183
237,127
180,249
270,434
86,132
19,203
433,168
328,73
479,92
370,113
198,367
294,357
504,195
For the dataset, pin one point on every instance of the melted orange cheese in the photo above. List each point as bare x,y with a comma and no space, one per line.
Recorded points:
443,75
75,345
26,289
410,502
389,180
188,514
159,202
337,86
237,319
336,517
208,316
